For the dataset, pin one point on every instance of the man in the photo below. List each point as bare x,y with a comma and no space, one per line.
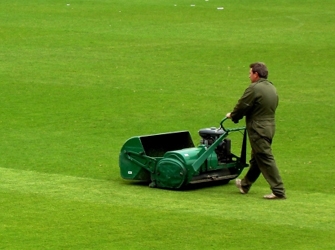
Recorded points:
258,104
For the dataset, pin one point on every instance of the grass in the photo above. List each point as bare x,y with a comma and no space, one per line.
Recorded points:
90,211
79,78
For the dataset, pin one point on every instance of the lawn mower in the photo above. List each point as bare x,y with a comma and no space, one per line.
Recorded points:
171,161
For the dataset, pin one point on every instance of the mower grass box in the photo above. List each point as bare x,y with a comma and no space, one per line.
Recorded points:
170,160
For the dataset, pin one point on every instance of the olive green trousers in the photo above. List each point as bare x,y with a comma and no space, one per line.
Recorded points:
262,161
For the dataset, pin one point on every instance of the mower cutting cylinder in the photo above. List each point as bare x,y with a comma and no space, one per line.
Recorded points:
171,160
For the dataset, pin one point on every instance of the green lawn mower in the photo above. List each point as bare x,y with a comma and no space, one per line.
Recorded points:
170,160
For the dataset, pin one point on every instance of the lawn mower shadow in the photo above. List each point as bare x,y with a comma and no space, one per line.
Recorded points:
189,187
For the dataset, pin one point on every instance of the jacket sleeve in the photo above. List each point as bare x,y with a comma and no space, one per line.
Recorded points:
244,104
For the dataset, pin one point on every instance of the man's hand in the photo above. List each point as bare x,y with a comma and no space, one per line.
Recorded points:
228,116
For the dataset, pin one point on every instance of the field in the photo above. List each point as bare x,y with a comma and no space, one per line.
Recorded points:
80,77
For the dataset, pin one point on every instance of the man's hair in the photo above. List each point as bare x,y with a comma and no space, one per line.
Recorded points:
260,68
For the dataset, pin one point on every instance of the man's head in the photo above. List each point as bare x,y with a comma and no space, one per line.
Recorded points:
258,70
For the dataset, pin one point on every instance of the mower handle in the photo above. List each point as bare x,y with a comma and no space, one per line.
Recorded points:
221,126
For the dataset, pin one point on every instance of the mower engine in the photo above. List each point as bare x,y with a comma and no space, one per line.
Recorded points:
223,150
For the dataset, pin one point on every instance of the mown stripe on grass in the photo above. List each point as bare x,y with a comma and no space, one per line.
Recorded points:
301,210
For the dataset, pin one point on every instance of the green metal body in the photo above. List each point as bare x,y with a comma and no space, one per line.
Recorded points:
171,160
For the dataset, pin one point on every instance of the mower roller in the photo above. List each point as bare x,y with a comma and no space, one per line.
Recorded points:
170,160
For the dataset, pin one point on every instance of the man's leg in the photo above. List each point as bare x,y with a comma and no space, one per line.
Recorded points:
267,165
252,174
271,174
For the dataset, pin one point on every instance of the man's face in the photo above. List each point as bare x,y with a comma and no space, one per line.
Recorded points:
253,76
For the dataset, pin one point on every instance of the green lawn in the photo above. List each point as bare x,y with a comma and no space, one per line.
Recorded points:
80,77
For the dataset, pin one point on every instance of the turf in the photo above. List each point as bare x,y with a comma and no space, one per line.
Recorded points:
79,78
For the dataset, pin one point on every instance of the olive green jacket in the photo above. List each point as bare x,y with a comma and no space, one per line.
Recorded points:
258,104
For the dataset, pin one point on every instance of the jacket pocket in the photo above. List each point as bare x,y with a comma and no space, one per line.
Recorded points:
265,128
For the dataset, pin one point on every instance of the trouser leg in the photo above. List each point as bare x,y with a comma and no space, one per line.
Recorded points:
252,174
267,165
271,174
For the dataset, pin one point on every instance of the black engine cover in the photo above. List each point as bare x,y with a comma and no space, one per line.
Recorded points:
211,133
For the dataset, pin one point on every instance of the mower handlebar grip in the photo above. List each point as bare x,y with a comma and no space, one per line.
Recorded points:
222,122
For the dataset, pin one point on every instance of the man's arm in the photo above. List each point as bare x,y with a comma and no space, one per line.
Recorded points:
243,105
